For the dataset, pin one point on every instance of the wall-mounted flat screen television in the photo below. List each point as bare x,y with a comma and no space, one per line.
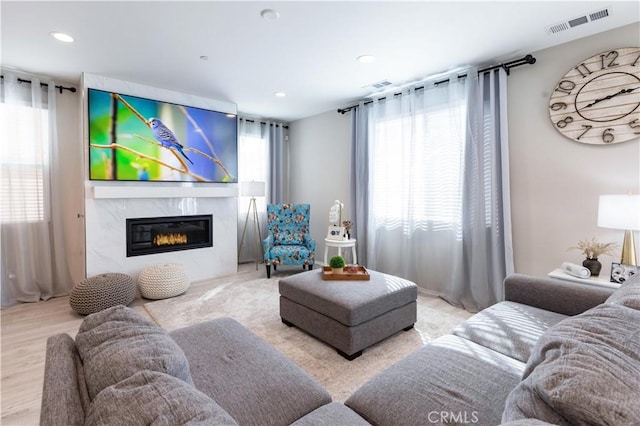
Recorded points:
138,139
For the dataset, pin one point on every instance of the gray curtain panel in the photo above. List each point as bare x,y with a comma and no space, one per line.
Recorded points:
279,159
359,179
485,257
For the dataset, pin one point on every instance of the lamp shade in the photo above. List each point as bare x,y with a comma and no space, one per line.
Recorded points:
619,212
252,189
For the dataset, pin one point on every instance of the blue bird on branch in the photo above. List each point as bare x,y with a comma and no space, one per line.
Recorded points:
166,137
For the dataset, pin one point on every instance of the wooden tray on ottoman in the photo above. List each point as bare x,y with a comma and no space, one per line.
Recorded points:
360,275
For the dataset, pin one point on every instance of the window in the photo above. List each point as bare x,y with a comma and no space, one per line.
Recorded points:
252,166
417,169
23,163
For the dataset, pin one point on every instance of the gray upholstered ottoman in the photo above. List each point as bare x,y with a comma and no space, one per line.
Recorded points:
348,315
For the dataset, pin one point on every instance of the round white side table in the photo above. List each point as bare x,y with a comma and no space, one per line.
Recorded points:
340,245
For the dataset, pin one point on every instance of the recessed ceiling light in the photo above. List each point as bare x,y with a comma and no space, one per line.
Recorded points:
280,94
270,14
61,37
366,59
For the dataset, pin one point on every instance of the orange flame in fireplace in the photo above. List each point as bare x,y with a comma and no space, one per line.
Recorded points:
169,239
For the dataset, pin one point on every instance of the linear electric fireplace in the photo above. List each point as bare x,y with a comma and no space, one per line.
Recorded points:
162,234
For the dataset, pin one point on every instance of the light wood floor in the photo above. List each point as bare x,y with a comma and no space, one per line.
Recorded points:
24,332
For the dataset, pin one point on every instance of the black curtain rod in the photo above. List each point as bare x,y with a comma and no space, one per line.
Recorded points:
263,123
529,59
61,88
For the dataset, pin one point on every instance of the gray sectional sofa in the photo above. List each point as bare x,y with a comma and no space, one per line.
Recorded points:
123,369
554,351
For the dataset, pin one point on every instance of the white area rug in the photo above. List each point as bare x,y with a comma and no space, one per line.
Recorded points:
254,303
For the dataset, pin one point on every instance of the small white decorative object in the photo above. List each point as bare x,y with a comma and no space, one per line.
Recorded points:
163,281
575,270
335,213
336,233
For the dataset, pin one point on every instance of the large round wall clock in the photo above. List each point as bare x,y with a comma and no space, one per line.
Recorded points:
598,100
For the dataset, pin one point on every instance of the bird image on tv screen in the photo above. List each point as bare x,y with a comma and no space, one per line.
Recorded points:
138,139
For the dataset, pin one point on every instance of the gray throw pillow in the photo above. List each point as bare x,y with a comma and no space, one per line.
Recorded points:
628,294
116,343
152,398
583,370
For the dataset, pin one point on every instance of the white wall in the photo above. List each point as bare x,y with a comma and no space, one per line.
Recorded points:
319,168
555,182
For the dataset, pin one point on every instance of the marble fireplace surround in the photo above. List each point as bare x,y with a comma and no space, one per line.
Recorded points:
105,220
109,204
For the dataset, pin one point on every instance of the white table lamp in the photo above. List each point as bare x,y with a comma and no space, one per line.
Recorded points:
621,212
252,189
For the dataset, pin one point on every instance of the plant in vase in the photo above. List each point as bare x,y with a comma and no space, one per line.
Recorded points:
593,249
336,263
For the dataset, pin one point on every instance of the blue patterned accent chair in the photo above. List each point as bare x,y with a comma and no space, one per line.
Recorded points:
288,241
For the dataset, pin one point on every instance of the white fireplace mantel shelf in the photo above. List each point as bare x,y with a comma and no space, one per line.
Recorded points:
112,191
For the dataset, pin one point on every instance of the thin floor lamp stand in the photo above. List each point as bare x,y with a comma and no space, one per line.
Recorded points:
256,221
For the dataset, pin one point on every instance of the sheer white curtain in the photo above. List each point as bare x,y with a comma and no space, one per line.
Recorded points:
423,181
416,147
34,263
253,165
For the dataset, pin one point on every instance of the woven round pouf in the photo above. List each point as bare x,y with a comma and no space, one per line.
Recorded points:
101,292
163,281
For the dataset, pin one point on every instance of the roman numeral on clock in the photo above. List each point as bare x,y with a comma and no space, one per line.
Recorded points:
583,69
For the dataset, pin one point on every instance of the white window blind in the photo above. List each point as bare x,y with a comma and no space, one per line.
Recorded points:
23,161
417,169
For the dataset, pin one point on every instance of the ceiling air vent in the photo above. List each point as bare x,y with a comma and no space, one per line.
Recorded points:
378,86
574,22
593,16
557,28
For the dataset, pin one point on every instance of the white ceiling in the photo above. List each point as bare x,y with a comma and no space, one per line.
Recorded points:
309,53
